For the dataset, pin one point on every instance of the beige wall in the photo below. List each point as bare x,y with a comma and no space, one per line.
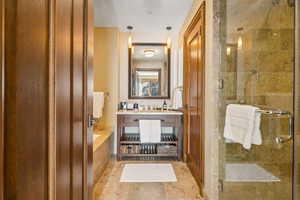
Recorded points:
106,71
211,95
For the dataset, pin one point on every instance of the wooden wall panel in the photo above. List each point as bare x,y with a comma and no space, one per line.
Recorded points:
26,99
48,75
1,99
63,31
77,74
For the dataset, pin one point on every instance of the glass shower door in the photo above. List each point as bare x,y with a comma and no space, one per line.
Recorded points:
258,69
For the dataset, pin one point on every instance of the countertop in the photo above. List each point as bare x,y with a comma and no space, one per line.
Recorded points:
103,136
129,112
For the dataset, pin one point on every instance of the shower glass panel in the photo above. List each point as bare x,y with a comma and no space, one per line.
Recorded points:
258,69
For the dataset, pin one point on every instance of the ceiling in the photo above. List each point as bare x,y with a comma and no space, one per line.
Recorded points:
143,15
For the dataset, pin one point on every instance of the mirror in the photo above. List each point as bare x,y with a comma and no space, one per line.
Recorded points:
149,71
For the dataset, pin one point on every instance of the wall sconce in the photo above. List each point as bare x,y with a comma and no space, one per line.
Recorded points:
169,41
228,51
240,39
240,43
130,28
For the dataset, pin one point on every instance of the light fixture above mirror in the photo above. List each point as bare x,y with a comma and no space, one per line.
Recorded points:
149,53
130,28
169,41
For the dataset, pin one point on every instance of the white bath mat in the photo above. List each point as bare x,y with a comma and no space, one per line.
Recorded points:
248,173
148,173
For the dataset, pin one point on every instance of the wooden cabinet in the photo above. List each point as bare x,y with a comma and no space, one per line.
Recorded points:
130,147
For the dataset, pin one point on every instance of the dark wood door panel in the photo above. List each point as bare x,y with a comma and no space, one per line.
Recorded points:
77,112
63,38
43,119
2,89
26,99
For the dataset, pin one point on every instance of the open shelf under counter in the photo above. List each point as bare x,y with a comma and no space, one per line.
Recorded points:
138,142
169,119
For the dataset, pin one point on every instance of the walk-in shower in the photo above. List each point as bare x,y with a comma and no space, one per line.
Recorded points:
258,68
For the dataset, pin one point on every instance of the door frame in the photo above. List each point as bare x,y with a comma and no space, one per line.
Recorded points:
200,15
88,99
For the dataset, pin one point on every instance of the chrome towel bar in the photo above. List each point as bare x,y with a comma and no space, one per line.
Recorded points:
281,140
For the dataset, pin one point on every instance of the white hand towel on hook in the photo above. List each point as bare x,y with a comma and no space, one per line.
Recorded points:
177,98
242,125
98,104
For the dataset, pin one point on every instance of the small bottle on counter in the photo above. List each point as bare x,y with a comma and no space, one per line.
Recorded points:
165,106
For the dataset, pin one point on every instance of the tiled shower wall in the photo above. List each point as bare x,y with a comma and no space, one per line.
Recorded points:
258,69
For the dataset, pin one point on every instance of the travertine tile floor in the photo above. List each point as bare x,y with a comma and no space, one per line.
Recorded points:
110,188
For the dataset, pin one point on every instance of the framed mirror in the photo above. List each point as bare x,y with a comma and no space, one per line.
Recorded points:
149,71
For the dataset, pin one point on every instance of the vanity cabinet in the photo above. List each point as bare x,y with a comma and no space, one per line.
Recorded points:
129,146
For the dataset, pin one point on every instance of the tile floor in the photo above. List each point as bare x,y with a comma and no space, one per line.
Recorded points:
110,188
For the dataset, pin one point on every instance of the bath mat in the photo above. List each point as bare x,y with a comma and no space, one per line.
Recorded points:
248,173
148,173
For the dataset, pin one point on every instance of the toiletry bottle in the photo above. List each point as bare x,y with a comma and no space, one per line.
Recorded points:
165,106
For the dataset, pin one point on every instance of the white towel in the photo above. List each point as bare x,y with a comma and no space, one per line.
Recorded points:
98,104
242,125
177,98
150,131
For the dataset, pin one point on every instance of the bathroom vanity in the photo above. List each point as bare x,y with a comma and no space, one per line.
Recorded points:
130,146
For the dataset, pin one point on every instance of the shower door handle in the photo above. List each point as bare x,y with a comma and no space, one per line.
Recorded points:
282,140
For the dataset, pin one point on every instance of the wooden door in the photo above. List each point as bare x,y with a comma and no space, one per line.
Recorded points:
194,95
47,99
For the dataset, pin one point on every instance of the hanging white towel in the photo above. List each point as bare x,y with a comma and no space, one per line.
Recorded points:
98,104
242,125
177,98
150,131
